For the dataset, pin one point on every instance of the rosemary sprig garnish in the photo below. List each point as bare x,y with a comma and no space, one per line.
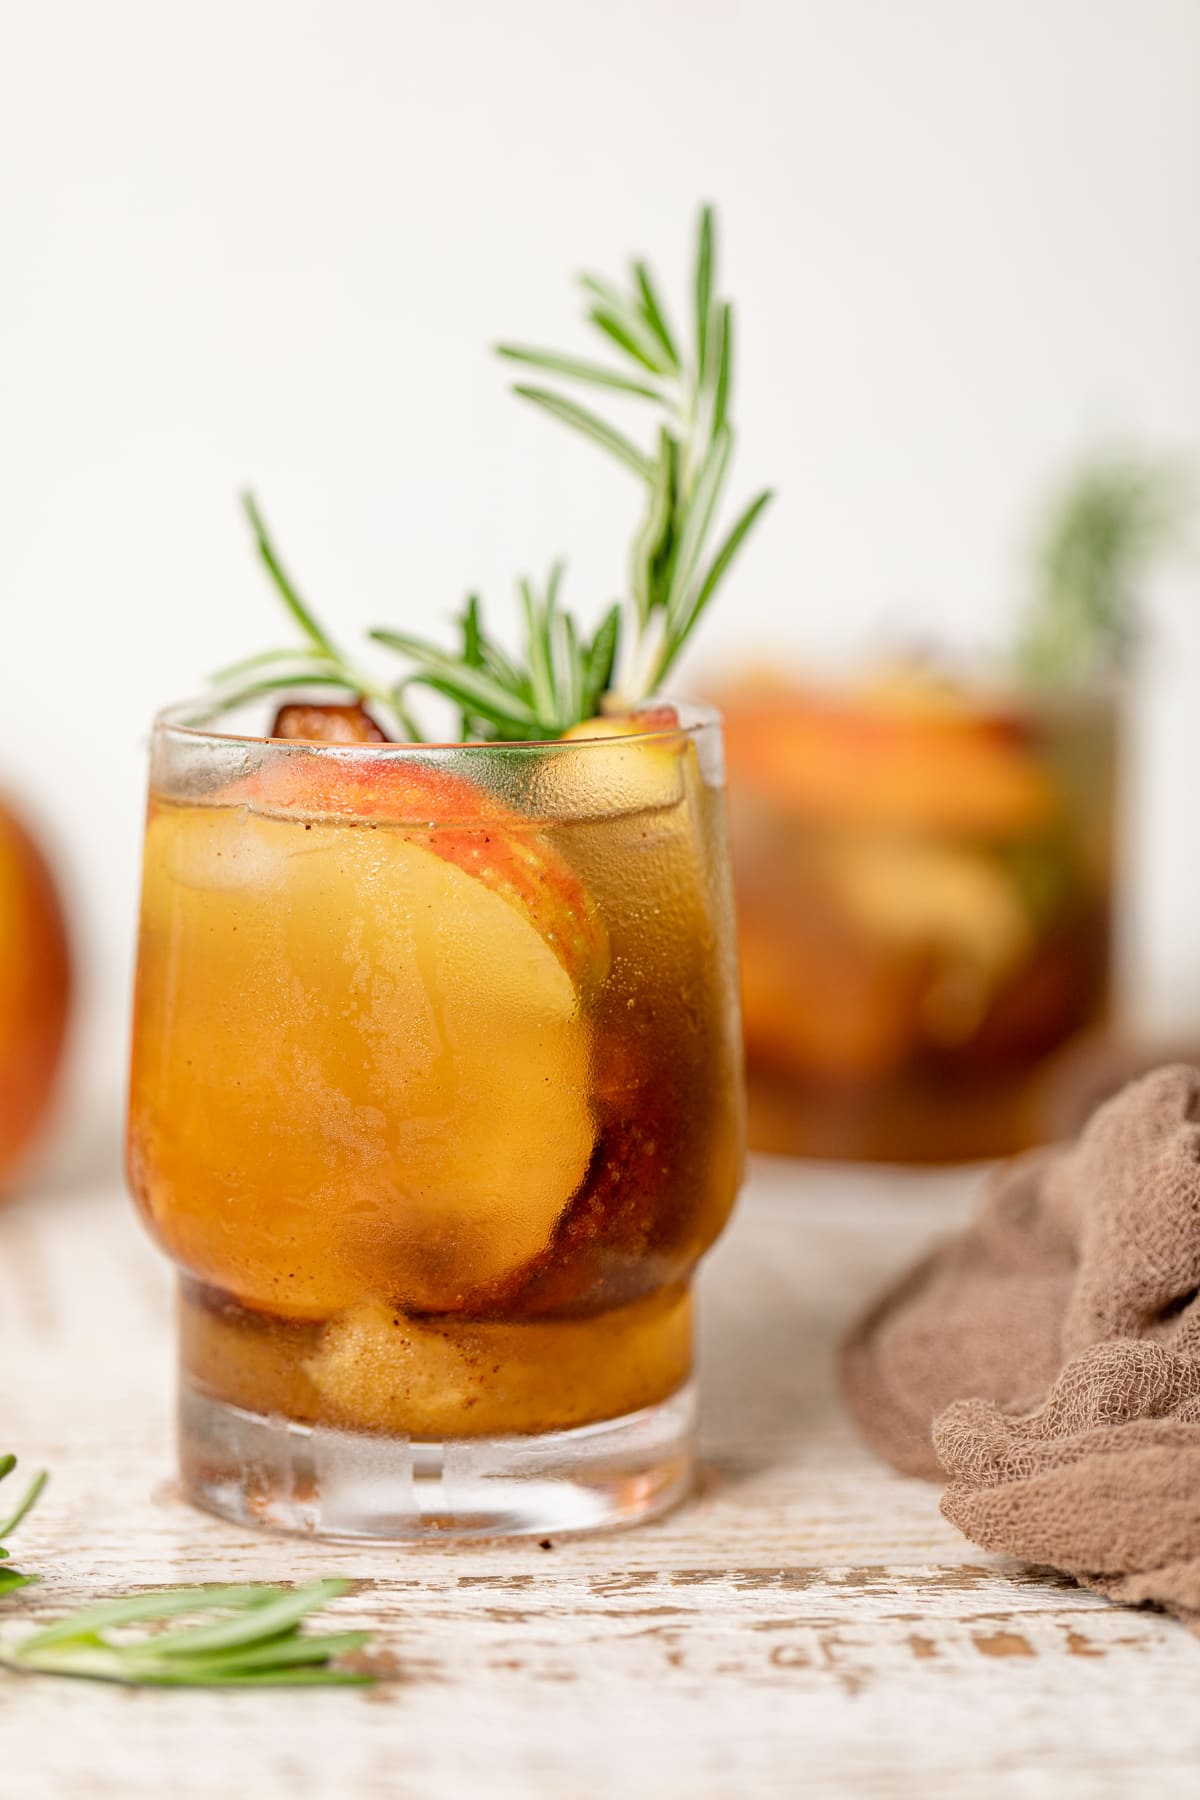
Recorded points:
674,572
317,661
558,680
560,674
248,1635
1103,532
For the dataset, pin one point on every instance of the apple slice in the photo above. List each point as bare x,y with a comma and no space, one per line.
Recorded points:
454,819
357,1069
625,724
620,763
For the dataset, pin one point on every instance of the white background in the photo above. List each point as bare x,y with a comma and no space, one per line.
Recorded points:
248,241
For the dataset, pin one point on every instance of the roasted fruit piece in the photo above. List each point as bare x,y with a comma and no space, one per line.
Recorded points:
326,724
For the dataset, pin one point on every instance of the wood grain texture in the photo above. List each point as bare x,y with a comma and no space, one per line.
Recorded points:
809,1625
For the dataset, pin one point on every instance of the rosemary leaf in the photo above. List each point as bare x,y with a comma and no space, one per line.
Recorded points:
567,669
541,673
255,1618
255,1640
729,548
249,665
447,675
473,658
283,683
695,524
142,1609
654,313
472,637
655,543
703,290
628,313
576,368
506,672
642,346
306,619
607,436
256,1645
599,661
724,364
27,1502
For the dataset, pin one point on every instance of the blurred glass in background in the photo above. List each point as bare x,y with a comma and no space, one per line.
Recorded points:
925,858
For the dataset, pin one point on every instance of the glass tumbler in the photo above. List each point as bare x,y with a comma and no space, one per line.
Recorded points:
436,1102
926,901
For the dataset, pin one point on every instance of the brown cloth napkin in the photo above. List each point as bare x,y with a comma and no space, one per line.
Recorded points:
1048,1359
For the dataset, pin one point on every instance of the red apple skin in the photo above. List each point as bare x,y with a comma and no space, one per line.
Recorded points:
35,992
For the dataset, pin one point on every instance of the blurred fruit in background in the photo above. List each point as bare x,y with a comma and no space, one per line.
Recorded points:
35,984
925,860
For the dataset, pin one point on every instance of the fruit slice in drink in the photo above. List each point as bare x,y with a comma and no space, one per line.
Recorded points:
361,1064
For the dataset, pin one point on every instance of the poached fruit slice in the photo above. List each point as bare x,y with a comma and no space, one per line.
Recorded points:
455,820
381,1370
619,763
386,1086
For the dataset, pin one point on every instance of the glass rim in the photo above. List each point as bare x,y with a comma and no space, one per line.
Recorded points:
189,721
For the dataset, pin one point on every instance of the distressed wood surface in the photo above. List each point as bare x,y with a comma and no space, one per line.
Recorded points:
809,1625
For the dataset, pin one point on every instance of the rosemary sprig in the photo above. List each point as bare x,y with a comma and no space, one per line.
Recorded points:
674,569
253,1639
317,661
1102,533
11,1579
248,1635
557,681
560,674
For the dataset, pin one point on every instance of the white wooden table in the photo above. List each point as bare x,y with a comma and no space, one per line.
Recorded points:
809,1625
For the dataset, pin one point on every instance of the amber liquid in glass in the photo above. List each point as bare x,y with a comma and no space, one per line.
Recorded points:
436,1104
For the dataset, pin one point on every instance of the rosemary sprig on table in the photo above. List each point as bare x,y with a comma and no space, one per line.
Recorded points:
560,674
247,1636
11,1579
253,1639
1102,533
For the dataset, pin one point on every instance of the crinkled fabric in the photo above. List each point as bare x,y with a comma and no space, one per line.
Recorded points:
1047,1360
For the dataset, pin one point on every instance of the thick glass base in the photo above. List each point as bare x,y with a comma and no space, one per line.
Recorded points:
262,1470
